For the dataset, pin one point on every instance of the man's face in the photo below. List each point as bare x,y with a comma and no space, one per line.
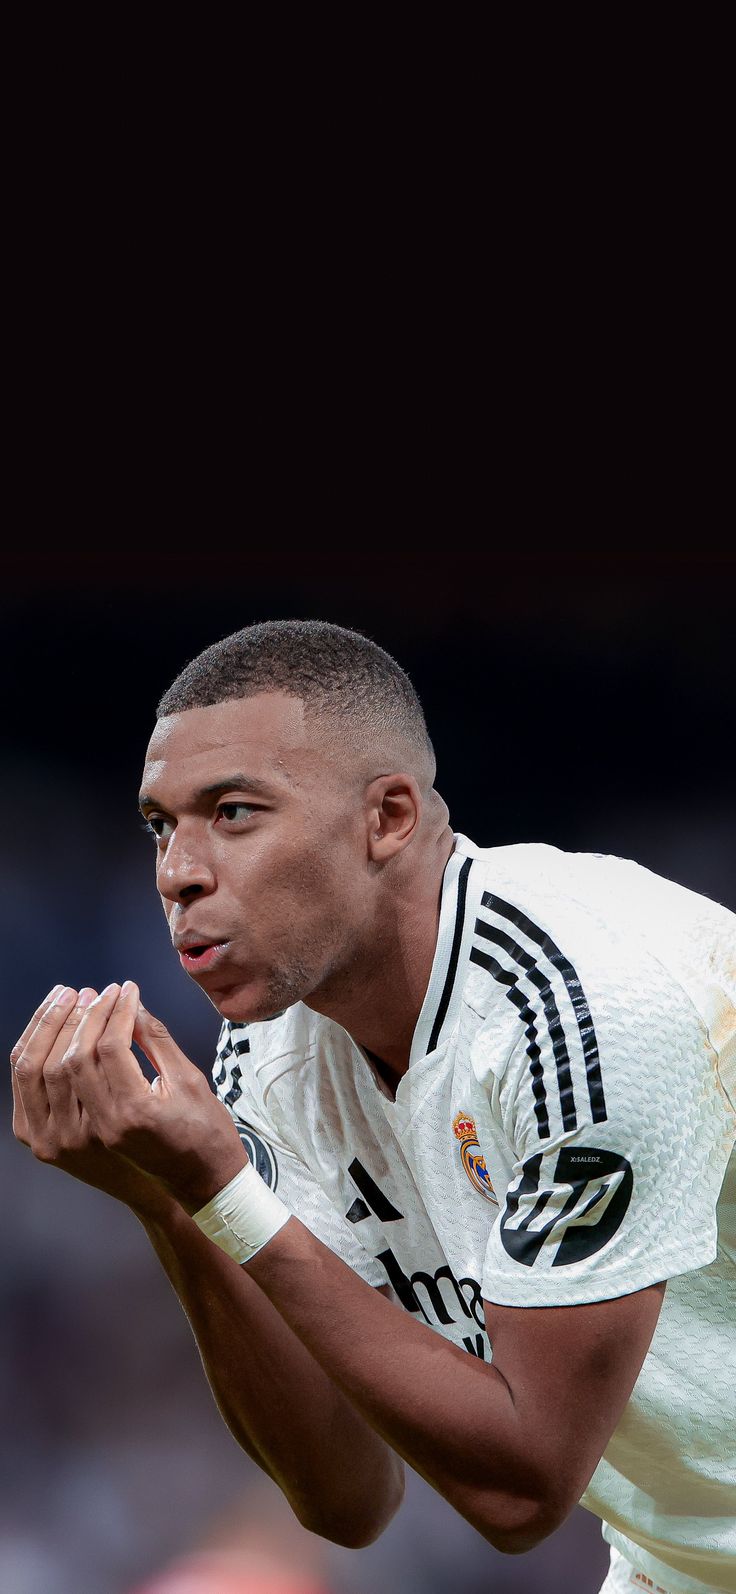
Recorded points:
260,841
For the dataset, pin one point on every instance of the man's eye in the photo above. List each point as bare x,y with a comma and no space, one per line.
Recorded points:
158,827
162,829
234,812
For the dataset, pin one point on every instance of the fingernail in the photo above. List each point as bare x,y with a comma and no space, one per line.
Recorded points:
55,989
66,996
86,995
127,988
107,992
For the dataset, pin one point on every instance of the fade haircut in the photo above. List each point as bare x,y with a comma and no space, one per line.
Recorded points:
336,672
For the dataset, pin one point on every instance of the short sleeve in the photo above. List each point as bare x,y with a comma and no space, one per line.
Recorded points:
619,1134
278,1165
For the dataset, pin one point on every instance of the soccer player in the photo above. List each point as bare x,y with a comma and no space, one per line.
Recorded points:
495,1085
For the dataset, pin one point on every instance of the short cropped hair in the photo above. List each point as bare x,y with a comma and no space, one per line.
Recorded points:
336,672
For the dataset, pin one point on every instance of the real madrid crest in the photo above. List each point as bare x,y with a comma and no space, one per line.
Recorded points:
473,1161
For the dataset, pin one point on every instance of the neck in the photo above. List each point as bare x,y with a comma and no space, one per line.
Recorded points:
379,999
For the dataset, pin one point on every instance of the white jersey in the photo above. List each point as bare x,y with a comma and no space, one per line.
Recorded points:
564,1133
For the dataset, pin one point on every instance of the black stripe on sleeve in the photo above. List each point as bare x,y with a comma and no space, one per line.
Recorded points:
235,1092
228,1049
462,887
490,932
527,1014
582,1012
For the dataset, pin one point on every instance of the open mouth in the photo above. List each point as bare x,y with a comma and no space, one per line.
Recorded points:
198,958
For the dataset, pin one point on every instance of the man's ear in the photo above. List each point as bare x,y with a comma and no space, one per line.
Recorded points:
393,811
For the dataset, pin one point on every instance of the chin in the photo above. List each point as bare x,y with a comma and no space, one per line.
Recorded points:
243,1006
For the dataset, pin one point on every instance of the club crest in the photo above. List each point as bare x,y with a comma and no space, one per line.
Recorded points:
473,1161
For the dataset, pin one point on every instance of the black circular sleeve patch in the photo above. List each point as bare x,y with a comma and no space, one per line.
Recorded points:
260,1154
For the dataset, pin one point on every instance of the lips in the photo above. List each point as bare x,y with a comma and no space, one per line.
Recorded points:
198,956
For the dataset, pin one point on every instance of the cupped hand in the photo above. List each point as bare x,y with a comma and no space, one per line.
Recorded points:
82,1102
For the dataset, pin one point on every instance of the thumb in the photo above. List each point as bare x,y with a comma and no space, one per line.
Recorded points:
159,1046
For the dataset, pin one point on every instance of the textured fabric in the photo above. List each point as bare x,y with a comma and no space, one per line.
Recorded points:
564,1133
277,1164
623,1578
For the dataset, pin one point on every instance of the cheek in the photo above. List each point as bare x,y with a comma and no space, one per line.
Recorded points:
291,882
308,894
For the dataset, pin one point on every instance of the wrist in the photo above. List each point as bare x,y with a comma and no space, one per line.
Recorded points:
243,1216
195,1188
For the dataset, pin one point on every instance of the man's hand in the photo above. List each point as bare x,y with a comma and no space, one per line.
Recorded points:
49,1120
82,1102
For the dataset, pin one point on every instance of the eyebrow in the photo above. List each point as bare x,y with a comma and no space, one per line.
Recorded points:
239,782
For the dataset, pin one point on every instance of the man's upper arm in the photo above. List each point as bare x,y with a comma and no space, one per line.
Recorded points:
614,1190
570,1371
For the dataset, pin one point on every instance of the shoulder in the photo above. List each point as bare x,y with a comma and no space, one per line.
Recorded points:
541,915
598,909
262,1075
248,1055
576,967
289,1035
271,1060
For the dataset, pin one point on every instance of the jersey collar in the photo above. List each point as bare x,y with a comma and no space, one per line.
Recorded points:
454,939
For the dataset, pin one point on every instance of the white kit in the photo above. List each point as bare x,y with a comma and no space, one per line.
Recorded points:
564,1133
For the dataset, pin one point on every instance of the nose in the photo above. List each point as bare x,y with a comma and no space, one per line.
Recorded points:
184,871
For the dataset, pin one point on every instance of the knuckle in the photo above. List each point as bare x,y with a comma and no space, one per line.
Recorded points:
106,1047
131,1121
48,1019
44,1150
72,1061
114,1137
68,1140
24,1071
115,1133
55,1071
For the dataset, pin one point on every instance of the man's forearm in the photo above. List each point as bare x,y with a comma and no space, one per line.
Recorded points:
450,1415
338,1475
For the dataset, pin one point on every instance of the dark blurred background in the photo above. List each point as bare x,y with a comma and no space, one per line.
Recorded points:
583,699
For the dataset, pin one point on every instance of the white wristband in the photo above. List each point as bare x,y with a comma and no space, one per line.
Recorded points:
243,1217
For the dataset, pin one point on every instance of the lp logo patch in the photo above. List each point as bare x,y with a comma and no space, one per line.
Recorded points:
587,1202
